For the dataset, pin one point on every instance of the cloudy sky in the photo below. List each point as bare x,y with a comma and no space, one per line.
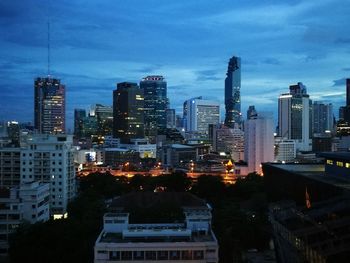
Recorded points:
96,44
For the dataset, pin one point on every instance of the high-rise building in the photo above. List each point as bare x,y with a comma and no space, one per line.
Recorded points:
104,118
322,117
128,112
200,113
50,159
229,140
155,104
170,118
251,112
258,141
49,105
79,116
233,92
295,117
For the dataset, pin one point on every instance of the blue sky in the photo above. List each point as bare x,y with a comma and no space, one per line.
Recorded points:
96,44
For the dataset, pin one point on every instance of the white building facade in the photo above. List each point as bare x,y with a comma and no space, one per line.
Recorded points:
258,142
199,114
50,159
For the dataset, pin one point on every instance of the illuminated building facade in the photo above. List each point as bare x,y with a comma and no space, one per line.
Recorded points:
128,112
295,117
49,105
155,94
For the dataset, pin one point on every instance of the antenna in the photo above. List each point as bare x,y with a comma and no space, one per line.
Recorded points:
48,39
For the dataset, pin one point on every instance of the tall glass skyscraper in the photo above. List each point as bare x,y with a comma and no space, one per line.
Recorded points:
128,114
49,105
155,94
233,92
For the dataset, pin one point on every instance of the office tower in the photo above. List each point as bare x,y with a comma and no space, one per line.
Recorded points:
49,105
295,116
79,116
50,159
200,113
155,93
251,112
128,112
229,140
185,110
233,92
258,141
285,150
170,118
322,117
104,118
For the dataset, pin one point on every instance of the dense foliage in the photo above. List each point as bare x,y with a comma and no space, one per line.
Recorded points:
239,216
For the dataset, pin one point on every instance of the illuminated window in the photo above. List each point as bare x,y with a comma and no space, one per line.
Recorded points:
340,164
347,165
329,161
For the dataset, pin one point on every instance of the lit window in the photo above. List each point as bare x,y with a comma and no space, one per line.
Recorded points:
347,165
330,162
340,164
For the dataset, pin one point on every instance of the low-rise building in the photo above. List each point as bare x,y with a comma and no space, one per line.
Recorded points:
190,240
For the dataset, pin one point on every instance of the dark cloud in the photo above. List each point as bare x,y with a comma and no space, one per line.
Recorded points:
205,75
339,82
346,69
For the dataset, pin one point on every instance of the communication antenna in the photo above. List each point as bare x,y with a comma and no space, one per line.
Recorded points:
48,39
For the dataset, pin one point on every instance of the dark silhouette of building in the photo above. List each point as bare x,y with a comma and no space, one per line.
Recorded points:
128,112
233,92
49,105
79,116
155,94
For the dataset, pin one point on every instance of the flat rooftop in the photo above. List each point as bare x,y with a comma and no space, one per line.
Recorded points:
107,237
315,172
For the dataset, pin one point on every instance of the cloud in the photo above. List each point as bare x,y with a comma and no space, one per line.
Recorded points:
339,82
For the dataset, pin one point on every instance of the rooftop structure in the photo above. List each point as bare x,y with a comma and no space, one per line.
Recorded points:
190,239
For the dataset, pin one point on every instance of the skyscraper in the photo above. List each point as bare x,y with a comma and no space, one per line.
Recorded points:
258,141
322,117
155,95
295,116
79,116
128,114
49,105
201,113
104,118
233,92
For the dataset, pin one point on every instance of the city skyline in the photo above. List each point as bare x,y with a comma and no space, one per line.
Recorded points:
189,44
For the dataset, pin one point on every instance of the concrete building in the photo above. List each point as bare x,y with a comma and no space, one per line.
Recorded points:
285,150
258,141
322,118
200,114
10,167
28,202
143,147
229,140
49,105
295,117
190,239
119,156
50,159
170,119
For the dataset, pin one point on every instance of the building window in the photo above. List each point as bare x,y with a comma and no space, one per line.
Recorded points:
162,255
340,164
330,162
126,255
151,255
186,255
174,255
114,255
347,165
139,255
198,255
